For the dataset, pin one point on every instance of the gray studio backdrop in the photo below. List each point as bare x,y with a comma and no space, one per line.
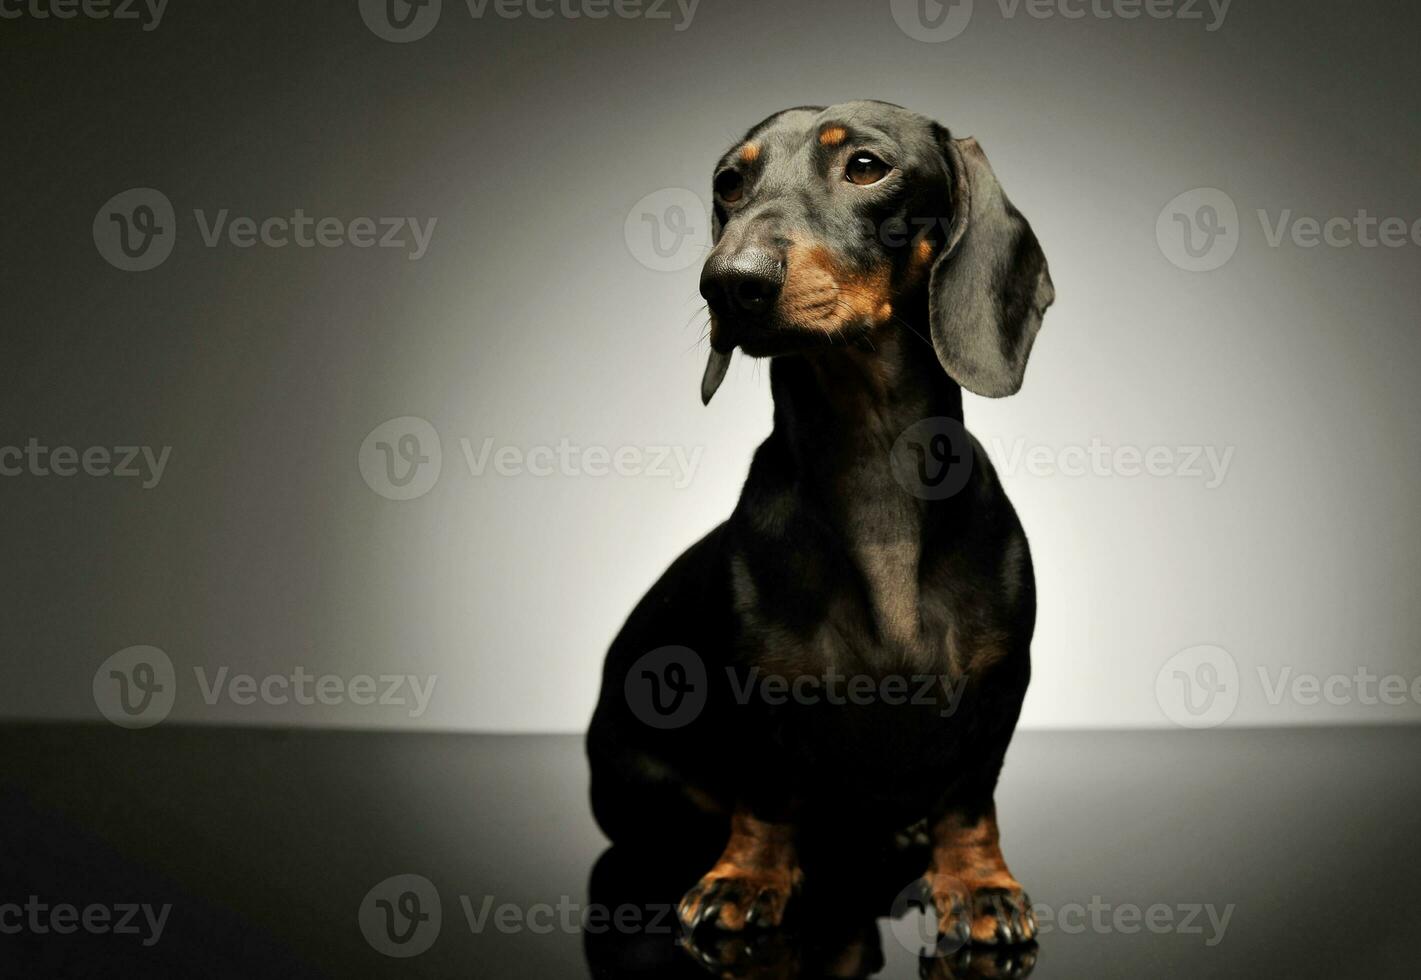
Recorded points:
409,371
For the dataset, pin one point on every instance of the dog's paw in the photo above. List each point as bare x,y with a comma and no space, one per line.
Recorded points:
1001,963
988,915
1002,916
738,898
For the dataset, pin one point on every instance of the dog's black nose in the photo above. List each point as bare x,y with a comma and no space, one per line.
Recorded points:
746,281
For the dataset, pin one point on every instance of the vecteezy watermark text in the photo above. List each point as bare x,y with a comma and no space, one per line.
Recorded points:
402,916
405,233
304,688
402,21
936,21
150,12
934,457
668,687
1200,687
675,463
119,919
137,229
1207,463
137,687
834,688
402,458
144,463
1200,230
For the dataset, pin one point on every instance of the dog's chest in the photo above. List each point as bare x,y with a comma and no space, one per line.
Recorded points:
884,542
881,606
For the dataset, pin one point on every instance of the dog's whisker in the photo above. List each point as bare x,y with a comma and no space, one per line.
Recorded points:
702,337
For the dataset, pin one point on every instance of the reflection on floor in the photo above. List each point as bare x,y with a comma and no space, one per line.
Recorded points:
233,853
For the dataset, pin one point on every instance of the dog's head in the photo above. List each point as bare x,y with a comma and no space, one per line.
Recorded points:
833,224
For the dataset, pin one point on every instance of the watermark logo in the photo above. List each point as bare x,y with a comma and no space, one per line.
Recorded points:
932,459
401,21
1198,231
936,21
913,922
401,916
667,688
1198,687
933,21
668,230
401,458
136,229
135,687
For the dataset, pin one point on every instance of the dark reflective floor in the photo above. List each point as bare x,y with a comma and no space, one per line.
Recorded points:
246,853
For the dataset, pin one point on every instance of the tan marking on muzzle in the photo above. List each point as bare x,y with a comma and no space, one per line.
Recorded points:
818,295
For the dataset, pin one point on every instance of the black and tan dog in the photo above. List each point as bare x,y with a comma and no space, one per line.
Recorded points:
877,261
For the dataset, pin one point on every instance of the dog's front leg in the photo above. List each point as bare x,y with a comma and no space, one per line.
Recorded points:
976,896
752,881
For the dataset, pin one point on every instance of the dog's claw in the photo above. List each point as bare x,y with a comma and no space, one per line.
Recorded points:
763,911
735,902
1002,916
988,916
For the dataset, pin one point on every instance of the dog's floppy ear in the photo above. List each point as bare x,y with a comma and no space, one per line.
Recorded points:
990,285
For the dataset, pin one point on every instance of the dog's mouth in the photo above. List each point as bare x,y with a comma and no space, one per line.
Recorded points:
758,337
769,336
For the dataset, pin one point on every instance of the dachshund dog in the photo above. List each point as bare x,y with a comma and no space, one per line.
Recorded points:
845,657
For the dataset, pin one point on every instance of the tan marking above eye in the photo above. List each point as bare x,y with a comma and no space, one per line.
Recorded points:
832,135
750,152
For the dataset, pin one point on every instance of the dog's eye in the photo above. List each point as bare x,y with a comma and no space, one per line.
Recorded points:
865,168
729,186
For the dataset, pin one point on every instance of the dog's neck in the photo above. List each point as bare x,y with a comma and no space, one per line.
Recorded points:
840,412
